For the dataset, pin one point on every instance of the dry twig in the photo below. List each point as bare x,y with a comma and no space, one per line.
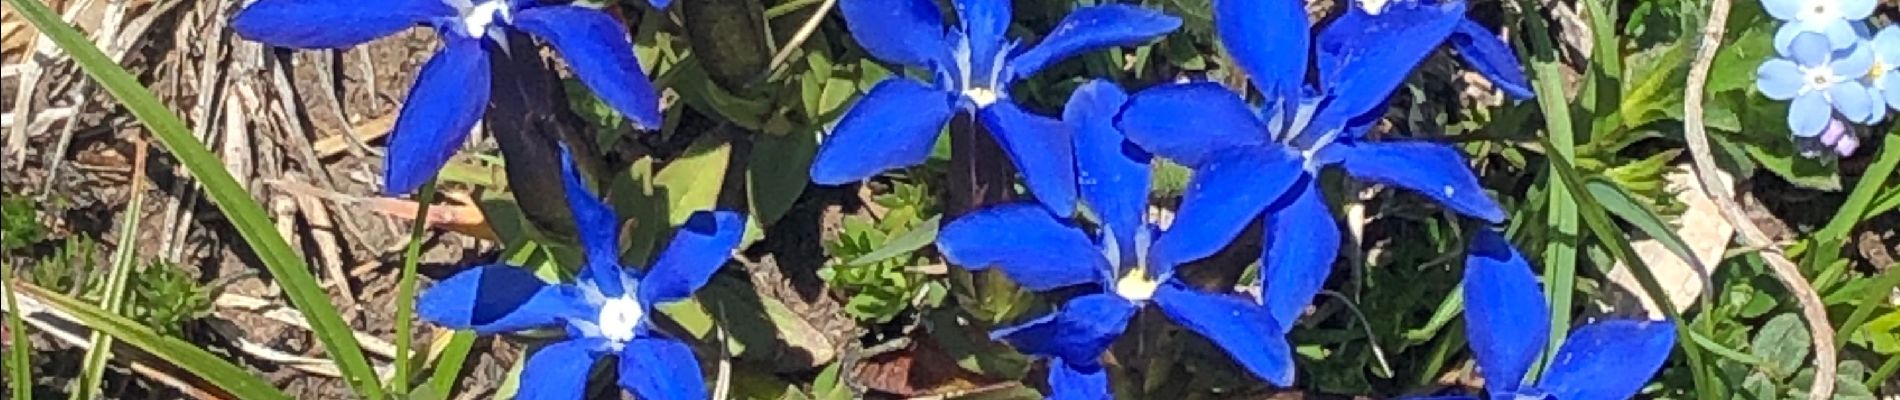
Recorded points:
1786,271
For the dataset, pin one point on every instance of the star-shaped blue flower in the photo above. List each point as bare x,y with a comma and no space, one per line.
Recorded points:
1043,252
973,65
1821,82
1834,19
605,312
451,91
1249,164
1508,323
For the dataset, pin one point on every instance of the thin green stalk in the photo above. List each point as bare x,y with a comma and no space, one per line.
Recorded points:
406,289
1870,184
1560,255
1886,370
1875,295
93,370
449,366
1612,238
19,356
244,214
788,7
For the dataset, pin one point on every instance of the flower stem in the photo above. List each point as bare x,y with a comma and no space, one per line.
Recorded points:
979,170
406,290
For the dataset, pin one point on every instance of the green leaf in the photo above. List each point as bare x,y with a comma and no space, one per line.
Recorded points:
778,172
1781,158
245,215
923,234
759,328
1784,341
692,182
187,356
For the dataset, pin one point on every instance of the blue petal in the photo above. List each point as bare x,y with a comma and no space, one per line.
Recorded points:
448,98
1608,360
1488,55
1076,334
699,247
1785,10
1042,149
1268,39
1363,57
324,24
595,45
1301,242
1032,247
1237,325
1891,81
660,4
1113,173
1886,46
1778,79
1810,49
893,126
908,32
1435,170
1808,114
559,370
498,298
1093,28
1225,195
1853,62
1855,10
599,230
1069,381
1186,122
658,368
1853,101
1505,315
984,22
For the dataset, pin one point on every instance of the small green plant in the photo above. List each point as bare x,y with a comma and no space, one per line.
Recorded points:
874,259
18,226
165,297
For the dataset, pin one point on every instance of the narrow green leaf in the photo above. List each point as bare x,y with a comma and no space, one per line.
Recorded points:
1619,202
92,372
19,353
233,379
406,291
449,366
244,214
923,234
1560,253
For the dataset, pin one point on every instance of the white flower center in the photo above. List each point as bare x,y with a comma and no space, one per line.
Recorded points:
1373,7
477,19
618,318
982,90
1819,11
1136,286
1818,78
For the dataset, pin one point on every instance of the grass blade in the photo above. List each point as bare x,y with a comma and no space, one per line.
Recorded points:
92,372
449,365
244,214
406,289
20,353
1560,254
202,364
1612,238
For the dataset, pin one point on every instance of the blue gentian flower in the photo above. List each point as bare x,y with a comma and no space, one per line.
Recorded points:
607,311
1043,252
1251,164
452,89
1884,76
1820,81
973,65
1833,19
1482,50
1508,323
